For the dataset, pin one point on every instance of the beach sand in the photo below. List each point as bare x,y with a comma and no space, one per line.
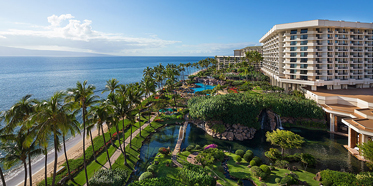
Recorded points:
74,152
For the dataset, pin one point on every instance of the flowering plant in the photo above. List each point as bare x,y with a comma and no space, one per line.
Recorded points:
211,146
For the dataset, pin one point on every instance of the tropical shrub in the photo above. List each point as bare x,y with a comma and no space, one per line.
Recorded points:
216,153
281,163
194,174
164,150
211,146
257,160
240,152
238,159
256,171
145,175
248,157
108,177
364,178
265,169
157,182
289,180
190,148
197,147
253,163
278,180
338,178
273,154
293,158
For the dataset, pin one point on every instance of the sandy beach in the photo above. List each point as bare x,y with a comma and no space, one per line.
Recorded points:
72,153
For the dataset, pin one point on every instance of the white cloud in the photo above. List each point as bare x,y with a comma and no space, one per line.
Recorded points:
78,35
56,20
2,37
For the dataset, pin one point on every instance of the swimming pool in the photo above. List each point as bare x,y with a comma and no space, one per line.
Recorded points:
203,87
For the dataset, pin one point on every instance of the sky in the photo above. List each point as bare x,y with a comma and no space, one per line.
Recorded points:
159,27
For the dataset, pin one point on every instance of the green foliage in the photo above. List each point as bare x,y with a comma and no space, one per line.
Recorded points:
365,178
145,175
237,83
216,153
256,171
248,157
151,168
338,178
109,177
298,93
307,159
164,150
281,163
197,147
239,182
190,148
240,152
263,184
244,108
257,160
252,163
293,158
238,159
285,139
194,174
205,159
273,154
278,180
219,128
157,182
367,150
290,179
265,169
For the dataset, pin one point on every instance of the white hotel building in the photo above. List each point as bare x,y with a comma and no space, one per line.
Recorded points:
319,53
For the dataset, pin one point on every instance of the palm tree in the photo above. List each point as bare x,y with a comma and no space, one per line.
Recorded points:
18,115
17,147
83,96
148,86
111,85
53,117
99,115
134,95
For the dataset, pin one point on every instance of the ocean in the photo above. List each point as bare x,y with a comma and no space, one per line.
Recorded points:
43,76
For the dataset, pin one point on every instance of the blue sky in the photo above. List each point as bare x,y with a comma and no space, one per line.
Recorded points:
159,27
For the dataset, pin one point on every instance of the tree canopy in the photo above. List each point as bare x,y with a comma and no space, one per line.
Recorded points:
285,139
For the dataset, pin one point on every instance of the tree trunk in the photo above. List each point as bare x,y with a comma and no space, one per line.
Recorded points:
25,165
131,136
29,167
282,152
85,164
55,159
107,152
93,147
45,166
67,160
2,177
140,121
120,146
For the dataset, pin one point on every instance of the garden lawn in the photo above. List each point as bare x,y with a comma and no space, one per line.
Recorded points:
241,171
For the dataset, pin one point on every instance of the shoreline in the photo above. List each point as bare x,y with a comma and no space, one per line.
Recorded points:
73,152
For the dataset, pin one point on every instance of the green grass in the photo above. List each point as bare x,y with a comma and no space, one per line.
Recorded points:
163,170
241,171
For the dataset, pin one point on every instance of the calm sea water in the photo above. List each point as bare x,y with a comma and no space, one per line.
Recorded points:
43,76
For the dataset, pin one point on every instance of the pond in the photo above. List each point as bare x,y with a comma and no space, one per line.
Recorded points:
203,87
327,148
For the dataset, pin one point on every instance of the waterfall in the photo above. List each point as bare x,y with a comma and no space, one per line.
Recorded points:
279,124
262,122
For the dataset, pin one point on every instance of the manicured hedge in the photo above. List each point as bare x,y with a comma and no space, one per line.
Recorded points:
157,182
108,177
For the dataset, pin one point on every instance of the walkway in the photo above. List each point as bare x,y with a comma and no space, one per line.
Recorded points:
117,153
179,141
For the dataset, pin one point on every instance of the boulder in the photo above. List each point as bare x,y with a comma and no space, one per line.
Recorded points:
318,177
224,134
234,126
230,136
239,136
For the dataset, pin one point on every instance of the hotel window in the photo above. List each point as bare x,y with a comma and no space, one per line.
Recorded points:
293,37
303,31
293,59
303,48
303,59
293,48
303,42
293,32
303,54
293,54
303,71
293,43
293,71
303,66
293,65
304,36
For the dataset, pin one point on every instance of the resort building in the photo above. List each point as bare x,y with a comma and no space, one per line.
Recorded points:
319,53
239,56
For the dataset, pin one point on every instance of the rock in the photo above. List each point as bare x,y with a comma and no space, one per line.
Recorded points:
224,134
318,177
239,137
223,138
235,130
234,126
239,131
245,131
230,136
295,168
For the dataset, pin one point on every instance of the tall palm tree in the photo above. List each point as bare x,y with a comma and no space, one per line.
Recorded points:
99,115
134,95
18,115
18,146
83,96
111,85
53,117
148,86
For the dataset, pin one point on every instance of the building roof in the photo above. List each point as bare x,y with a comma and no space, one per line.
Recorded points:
365,94
316,23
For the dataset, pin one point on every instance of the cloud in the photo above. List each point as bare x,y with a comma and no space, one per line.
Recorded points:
80,35
56,20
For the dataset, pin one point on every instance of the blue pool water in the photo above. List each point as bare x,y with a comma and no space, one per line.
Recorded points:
203,87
